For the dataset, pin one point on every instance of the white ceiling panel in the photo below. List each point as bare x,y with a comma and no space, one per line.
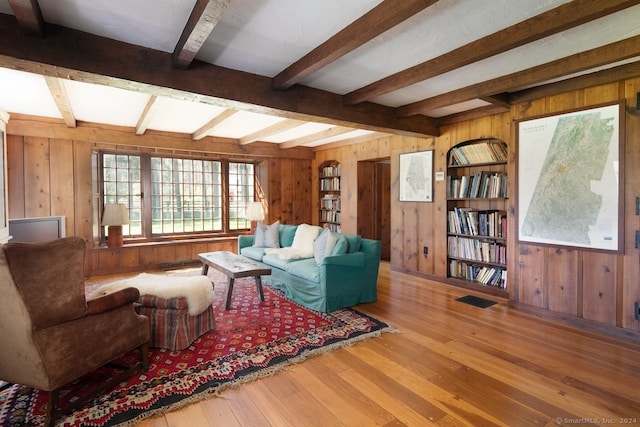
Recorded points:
263,37
244,123
297,132
589,36
425,36
345,136
175,115
156,25
26,93
103,104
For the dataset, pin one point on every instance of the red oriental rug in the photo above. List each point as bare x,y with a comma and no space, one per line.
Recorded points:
251,340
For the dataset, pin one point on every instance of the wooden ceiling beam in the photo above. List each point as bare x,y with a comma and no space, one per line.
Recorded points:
146,116
29,16
281,126
60,97
212,124
476,113
204,17
130,67
381,18
609,75
500,100
317,136
350,141
579,62
561,18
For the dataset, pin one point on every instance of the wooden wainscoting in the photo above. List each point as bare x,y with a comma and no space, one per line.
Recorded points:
153,256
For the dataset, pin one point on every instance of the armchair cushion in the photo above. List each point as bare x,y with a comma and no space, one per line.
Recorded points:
53,292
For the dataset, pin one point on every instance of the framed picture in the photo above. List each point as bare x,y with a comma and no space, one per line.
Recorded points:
416,176
570,179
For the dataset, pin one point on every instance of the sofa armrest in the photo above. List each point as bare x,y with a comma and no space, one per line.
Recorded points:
245,241
113,300
356,259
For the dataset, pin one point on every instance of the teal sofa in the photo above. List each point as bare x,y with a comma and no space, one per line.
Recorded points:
344,278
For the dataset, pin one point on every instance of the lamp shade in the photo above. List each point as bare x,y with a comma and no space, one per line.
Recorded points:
254,211
115,214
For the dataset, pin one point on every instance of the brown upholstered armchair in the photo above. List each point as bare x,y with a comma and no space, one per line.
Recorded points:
50,334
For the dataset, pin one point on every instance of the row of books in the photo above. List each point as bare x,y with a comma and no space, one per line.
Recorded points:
491,223
477,250
484,152
491,276
330,216
484,185
333,227
329,171
330,184
330,202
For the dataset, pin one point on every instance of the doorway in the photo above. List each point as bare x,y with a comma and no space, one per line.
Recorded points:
374,202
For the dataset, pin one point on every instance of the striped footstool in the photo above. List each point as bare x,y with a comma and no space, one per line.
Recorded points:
179,307
171,325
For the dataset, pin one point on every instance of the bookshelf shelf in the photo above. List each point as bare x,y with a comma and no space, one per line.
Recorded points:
476,194
330,202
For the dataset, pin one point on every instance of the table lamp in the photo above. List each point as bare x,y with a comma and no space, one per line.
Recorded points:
254,212
114,216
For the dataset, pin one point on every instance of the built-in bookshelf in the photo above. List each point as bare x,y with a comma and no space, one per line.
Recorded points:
330,206
477,190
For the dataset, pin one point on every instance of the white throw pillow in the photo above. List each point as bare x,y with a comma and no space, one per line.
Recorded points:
305,236
267,236
323,245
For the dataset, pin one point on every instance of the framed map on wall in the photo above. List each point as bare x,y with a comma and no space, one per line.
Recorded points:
416,172
569,179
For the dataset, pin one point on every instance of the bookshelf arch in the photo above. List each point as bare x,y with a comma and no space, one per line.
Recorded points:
477,194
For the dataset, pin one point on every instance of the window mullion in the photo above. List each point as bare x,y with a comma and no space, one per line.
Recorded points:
225,196
145,199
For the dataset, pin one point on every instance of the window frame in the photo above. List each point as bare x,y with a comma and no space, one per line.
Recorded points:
146,191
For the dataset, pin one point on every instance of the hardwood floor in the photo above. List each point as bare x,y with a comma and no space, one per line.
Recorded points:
451,364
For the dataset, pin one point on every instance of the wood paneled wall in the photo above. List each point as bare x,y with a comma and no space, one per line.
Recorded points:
594,289
597,287
50,173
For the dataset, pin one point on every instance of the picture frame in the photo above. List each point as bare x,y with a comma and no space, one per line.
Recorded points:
416,176
570,178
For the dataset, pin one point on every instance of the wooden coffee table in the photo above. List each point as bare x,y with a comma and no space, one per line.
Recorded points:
234,267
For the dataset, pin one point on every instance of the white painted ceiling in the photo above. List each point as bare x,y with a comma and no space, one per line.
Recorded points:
264,37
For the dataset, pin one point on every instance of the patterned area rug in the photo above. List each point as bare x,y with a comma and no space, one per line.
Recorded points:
251,340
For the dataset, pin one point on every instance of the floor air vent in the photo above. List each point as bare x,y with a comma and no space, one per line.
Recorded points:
476,301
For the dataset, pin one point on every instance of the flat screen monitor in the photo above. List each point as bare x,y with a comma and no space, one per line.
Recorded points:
38,229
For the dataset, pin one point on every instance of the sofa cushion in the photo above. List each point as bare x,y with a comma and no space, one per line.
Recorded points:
305,269
287,233
252,252
274,260
354,241
324,245
267,236
341,246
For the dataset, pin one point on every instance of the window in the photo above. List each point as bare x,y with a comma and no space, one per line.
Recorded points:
123,184
186,195
169,196
241,191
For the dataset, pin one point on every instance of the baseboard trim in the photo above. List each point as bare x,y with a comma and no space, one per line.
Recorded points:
588,325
